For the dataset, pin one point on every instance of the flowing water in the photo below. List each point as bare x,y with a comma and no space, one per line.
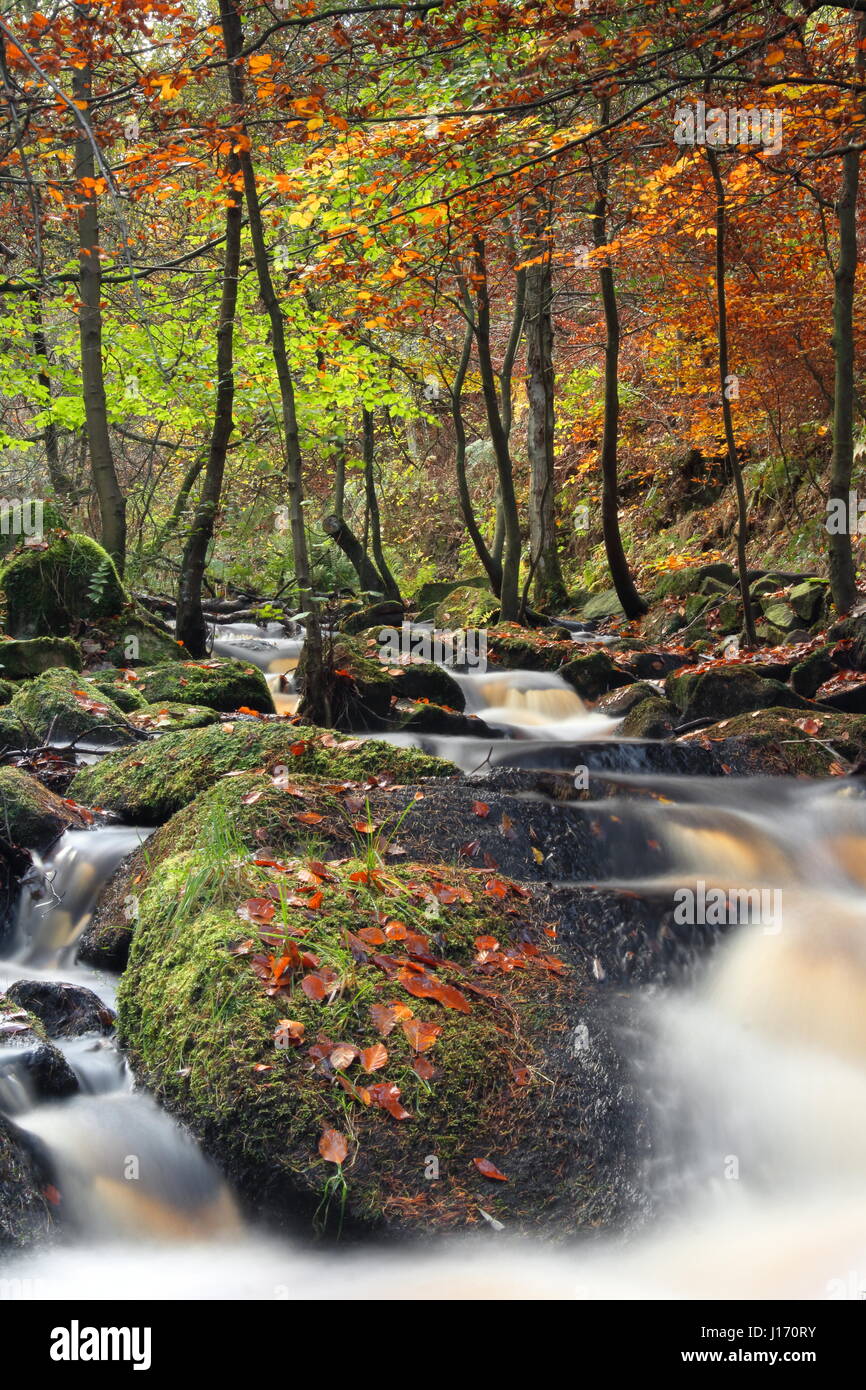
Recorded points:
754,1071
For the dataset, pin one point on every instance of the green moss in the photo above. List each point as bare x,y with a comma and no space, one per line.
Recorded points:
56,704
651,718
199,1029
726,690
770,742
219,684
7,690
466,606
30,814
50,590
20,660
150,784
593,675
121,691
130,638
169,714
515,648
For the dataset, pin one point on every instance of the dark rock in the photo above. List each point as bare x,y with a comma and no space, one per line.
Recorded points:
65,1010
30,814
388,613
771,743
22,659
25,1213
652,718
26,1054
617,703
718,692
593,675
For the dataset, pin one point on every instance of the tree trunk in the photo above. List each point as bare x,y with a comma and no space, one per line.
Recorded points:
492,567
843,578
548,586
509,595
316,700
733,461
112,504
191,626
392,589
61,483
633,604
343,536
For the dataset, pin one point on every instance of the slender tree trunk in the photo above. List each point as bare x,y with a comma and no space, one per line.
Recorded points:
843,578
733,460
505,379
509,596
344,537
61,483
392,589
492,568
549,589
316,699
632,603
191,625
112,504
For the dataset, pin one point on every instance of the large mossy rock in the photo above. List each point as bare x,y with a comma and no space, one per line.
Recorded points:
170,714
388,613
119,687
430,595
51,589
30,815
221,684
411,675
361,689
65,706
602,605
20,660
593,675
514,648
466,606
132,639
480,1071
781,742
695,579
719,692
150,784
650,718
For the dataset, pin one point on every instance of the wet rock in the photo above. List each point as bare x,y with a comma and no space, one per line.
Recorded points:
651,718
28,1061
50,590
653,665
148,785
849,696
506,1084
593,675
514,648
219,684
62,706
617,703
429,718
65,1010
25,1212
718,692
773,742
19,660
30,815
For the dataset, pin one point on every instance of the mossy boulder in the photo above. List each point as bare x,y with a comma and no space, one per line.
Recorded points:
118,688
650,718
13,735
131,639
424,717
12,532
693,579
51,589
466,606
717,692
7,691
30,814
361,688
810,674
617,703
150,784
220,684
430,595
65,706
514,648
781,742
20,660
411,676
809,600
593,675
464,1071
600,606
170,714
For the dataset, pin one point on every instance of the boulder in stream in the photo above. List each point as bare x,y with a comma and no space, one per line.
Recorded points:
64,1010
726,689
27,1058
30,814
25,1211
217,683
149,784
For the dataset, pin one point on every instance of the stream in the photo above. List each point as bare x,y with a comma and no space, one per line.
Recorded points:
764,1051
